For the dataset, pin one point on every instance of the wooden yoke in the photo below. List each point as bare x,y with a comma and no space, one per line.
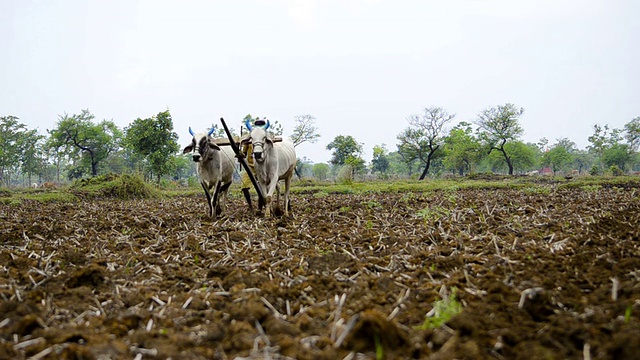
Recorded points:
241,159
226,142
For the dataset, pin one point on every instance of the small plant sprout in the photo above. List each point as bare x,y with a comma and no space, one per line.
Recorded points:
368,225
379,347
443,310
372,204
627,313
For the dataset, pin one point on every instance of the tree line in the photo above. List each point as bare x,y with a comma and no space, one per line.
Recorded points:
79,146
490,143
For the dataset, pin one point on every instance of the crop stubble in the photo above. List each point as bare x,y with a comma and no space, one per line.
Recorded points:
540,273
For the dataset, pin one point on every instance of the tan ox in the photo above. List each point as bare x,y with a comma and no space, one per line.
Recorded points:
48,185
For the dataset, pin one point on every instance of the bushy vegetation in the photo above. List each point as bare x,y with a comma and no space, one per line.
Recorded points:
114,186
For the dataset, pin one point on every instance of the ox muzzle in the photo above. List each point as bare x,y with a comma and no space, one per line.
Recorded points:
258,150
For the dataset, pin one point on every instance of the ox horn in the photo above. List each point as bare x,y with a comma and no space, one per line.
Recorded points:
213,128
268,124
191,131
247,123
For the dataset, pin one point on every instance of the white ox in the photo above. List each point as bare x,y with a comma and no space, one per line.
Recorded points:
215,166
273,161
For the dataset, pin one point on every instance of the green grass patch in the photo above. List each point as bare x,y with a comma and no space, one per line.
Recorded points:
591,183
433,214
444,310
542,190
15,198
320,194
404,186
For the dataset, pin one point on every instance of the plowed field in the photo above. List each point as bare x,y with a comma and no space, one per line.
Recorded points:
539,273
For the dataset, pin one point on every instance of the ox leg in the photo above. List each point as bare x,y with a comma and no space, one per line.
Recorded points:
287,204
206,192
215,200
263,190
224,189
268,205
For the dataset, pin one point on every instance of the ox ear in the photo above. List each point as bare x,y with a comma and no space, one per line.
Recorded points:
188,149
245,141
213,144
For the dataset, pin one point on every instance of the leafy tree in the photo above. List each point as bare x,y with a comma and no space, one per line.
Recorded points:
154,140
543,144
560,155
11,133
599,141
184,168
380,162
498,126
423,136
355,163
304,130
462,149
398,165
303,166
523,158
618,155
321,171
635,162
632,133
82,139
58,159
32,159
608,149
582,160
343,148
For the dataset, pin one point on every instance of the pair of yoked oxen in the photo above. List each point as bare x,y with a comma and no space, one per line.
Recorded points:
272,160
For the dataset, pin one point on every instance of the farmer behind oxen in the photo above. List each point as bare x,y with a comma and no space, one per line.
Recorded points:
247,151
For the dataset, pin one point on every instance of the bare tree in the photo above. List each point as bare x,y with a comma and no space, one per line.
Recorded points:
499,125
424,135
632,133
305,130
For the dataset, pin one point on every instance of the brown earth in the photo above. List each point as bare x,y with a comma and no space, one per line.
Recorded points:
541,273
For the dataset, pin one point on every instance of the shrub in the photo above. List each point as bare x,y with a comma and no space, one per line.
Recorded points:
616,171
114,186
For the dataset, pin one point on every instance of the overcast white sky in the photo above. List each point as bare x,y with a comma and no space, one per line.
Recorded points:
360,67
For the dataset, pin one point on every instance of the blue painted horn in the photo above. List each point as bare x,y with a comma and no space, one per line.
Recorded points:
268,124
191,131
213,128
247,123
